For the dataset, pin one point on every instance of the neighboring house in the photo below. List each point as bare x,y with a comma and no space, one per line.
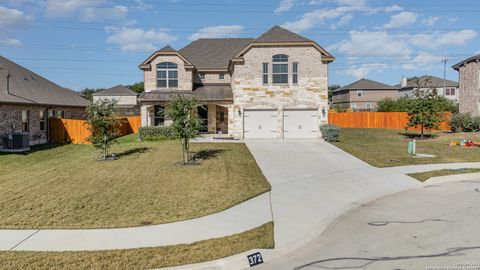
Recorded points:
469,78
362,95
274,86
27,100
126,99
447,88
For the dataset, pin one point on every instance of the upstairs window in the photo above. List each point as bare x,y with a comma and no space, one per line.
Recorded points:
167,75
280,69
221,76
265,73
295,73
359,93
202,76
450,92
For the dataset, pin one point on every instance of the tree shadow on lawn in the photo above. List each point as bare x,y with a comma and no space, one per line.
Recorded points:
207,154
131,151
417,136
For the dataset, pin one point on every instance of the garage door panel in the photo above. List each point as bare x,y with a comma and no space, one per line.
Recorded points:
300,124
260,124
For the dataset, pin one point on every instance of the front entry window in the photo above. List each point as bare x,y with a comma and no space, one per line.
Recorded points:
167,75
159,115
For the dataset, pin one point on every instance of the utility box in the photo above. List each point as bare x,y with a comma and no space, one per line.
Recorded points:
18,140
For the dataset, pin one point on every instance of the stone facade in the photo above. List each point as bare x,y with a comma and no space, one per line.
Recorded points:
469,96
121,100
185,77
11,119
311,91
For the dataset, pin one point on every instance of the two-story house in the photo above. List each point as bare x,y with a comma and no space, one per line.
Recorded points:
469,78
274,86
440,87
362,95
126,99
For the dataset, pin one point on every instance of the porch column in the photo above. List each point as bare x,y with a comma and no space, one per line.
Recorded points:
144,115
212,118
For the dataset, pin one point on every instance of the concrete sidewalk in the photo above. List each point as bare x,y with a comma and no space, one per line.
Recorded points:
245,216
432,167
314,182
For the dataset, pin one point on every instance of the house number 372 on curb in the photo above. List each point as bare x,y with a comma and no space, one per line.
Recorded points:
255,259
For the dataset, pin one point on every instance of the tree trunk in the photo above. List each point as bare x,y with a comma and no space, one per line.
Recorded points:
184,150
421,134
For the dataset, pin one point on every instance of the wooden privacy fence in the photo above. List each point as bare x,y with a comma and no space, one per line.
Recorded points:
76,131
384,120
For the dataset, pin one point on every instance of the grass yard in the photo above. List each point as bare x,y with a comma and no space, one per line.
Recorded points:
144,258
385,148
424,176
65,187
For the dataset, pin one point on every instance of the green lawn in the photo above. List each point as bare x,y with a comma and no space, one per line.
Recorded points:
66,187
424,176
384,148
142,258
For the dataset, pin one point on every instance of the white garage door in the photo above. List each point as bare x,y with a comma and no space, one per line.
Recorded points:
260,124
300,124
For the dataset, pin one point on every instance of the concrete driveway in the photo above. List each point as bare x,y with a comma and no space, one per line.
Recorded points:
313,183
433,227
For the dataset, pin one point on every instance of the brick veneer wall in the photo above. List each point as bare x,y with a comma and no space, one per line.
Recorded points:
469,93
11,119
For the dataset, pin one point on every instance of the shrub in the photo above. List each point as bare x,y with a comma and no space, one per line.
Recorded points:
404,103
330,133
464,123
156,133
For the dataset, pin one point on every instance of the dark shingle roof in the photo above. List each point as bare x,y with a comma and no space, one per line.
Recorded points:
279,34
28,87
118,90
466,61
208,92
214,53
429,81
365,84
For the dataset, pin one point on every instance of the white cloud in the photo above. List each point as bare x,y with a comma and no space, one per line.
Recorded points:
362,70
139,40
345,7
217,32
431,20
284,6
86,10
401,19
423,60
343,21
13,17
11,42
441,39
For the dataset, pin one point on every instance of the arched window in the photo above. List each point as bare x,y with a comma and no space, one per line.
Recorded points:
280,69
167,75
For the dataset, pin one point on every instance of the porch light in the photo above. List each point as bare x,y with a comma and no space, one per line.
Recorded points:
323,112
239,112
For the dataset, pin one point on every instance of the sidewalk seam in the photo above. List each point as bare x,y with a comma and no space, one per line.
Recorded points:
28,237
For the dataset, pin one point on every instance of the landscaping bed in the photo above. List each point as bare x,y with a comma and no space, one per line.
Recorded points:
67,187
385,147
142,258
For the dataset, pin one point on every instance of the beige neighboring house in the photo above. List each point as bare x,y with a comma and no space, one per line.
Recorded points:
362,95
27,100
126,99
469,79
273,86
448,89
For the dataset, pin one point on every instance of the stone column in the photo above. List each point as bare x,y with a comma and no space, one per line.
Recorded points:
212,118
144,115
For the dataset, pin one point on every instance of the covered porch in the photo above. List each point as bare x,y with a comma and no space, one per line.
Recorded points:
215,106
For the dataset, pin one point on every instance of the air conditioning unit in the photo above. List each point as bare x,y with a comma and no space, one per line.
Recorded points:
16,141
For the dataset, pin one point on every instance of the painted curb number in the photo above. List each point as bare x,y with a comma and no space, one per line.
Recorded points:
255,259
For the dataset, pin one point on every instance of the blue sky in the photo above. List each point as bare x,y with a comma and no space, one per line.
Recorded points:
99,43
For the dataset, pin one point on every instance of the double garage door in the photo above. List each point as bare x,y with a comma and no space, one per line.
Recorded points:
297,124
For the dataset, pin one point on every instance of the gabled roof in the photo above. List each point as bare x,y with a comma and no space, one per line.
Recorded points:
366,84
167,48
429,81
278,34
214,53
27,87
118,90
466,61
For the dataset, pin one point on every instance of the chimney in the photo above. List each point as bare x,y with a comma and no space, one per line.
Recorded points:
7,89
403,82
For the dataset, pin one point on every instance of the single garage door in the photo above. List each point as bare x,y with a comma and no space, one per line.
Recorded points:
260,124
300,124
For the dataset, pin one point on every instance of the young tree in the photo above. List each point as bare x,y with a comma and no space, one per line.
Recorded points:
424,108
137,87
103,124
186,122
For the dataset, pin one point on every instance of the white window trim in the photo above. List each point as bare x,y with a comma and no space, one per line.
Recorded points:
167,77
359,93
